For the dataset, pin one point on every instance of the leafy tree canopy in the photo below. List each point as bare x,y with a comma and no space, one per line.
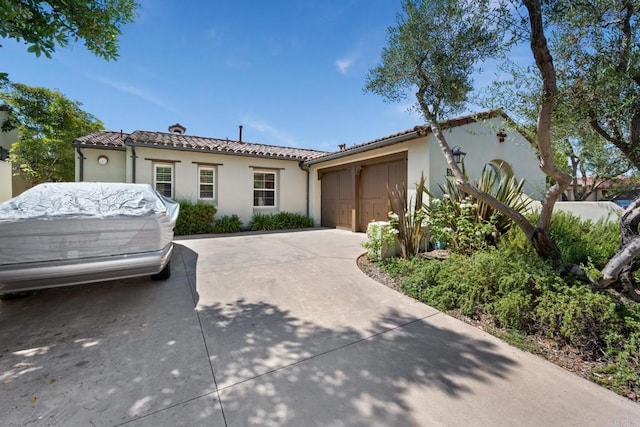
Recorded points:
43,25
48,122
434,50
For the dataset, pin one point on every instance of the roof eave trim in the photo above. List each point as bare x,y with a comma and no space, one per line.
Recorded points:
367,147
99,147
209,151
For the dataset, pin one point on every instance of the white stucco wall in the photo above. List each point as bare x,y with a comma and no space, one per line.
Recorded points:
113,171
5,181
482,146
234,180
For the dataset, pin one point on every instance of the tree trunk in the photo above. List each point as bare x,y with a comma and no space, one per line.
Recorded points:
544,62
544,245
622,264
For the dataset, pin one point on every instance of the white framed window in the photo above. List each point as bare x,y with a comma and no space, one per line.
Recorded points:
264,188
206,183
163,178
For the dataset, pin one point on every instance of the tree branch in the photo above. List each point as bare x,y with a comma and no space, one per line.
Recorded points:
544,62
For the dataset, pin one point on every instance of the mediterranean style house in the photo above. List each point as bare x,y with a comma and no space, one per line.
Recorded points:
346,188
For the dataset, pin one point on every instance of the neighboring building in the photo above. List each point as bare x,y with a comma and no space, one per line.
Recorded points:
10,184
345,189
620,189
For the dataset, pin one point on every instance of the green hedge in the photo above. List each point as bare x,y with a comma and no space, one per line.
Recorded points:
279,221
227,224
194,218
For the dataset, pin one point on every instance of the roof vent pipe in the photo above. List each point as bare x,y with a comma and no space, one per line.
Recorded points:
240,133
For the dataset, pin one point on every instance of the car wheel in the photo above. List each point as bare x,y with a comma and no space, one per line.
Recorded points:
164,274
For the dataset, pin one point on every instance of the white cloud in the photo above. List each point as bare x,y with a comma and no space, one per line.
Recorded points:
344,64
135,91
270,132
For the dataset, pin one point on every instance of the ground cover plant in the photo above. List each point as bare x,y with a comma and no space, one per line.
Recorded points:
527,301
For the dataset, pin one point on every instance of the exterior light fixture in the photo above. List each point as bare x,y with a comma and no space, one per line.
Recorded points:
458,155
103,160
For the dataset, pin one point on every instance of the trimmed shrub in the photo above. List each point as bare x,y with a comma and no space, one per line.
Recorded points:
227,224
279,221
194,218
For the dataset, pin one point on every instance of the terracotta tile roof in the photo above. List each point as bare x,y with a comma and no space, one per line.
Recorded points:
175,141
416,132
102,139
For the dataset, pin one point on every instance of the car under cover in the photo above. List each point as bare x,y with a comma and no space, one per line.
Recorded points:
57,234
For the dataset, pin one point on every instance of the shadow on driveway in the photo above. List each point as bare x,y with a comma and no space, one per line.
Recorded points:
365,381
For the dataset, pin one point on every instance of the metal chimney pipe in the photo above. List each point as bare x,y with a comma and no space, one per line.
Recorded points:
240,133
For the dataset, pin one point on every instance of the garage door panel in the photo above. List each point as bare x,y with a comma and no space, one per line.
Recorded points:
375,183
337,199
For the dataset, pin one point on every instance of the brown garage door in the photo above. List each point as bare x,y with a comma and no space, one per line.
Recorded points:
374,196
337,199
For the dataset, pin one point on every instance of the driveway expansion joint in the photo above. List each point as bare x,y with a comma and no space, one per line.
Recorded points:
332,350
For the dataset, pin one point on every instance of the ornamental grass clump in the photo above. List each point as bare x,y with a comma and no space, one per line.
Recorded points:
407,217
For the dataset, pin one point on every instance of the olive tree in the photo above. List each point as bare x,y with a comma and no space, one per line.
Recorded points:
433,52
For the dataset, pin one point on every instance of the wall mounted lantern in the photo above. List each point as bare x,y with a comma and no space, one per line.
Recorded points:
458,155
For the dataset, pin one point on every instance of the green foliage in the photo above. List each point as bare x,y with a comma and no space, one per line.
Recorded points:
434,48
43,25
194,218
584,242
379,237
48,123
227,224
407,218
457,224
466,224
526,296
578,315
623,348
596,51
279,221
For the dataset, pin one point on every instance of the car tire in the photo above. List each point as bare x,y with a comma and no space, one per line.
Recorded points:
9,297
164,274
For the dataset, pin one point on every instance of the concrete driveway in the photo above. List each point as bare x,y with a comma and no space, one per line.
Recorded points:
272,330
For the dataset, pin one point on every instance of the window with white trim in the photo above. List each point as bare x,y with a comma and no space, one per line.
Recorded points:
163,178
206,183
264,188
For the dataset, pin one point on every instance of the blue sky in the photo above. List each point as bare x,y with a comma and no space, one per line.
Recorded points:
291,72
